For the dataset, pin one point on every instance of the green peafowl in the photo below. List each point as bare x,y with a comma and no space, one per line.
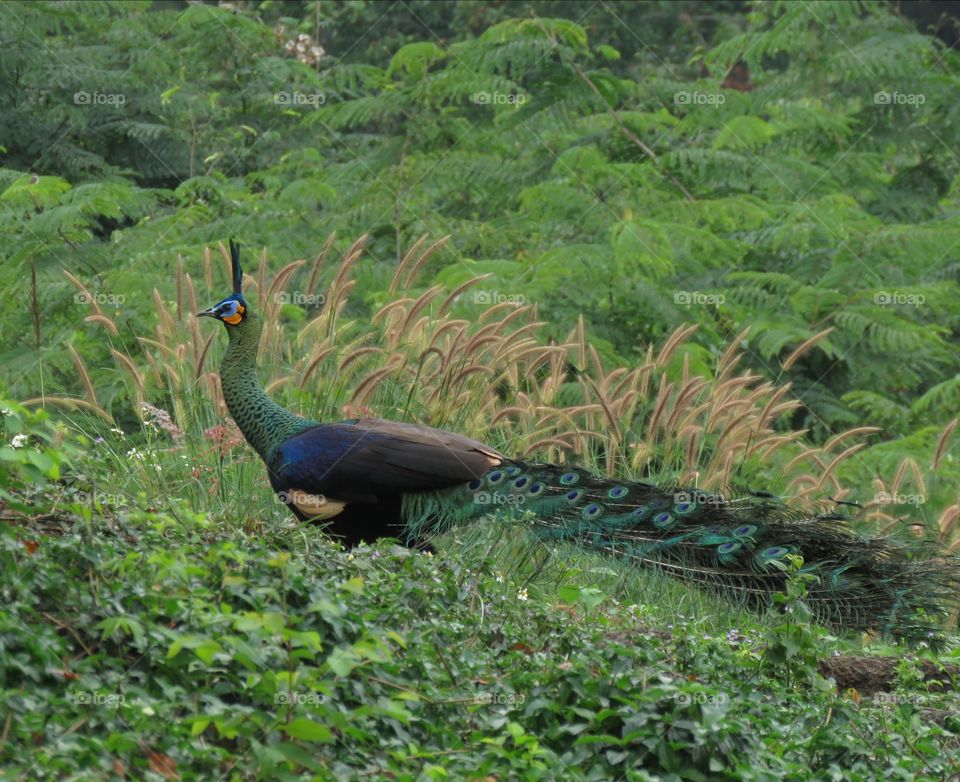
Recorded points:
370,478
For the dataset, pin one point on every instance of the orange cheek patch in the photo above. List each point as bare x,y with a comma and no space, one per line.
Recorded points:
233,320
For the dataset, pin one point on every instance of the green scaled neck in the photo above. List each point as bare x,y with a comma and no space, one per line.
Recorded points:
264,423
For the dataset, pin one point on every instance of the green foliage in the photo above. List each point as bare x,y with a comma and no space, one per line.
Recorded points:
792,645
33,453
189,645
596,175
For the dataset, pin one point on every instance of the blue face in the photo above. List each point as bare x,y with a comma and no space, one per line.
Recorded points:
231,310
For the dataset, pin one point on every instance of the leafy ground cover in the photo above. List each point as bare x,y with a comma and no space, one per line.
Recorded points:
144,640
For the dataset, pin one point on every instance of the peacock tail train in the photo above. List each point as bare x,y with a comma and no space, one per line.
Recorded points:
738,548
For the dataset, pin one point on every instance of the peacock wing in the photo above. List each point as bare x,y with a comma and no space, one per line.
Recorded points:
362,460
436,454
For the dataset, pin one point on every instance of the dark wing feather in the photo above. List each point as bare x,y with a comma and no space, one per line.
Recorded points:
369,458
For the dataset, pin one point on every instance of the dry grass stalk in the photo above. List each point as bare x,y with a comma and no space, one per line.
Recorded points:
70,404
320,260
422,260
104,321
179,287
84,375
941,449
805,346
404,263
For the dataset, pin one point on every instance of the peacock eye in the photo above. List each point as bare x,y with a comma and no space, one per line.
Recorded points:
775,552
663,520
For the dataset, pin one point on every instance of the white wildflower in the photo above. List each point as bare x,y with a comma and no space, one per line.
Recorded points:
19,440
522,595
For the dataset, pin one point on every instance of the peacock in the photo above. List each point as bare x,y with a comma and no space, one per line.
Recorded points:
369,478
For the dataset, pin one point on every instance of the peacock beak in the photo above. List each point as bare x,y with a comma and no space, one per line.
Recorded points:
208,313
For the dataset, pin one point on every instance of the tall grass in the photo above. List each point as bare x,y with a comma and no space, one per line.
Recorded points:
433,356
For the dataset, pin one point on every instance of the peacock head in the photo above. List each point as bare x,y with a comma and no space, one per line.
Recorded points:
233,310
